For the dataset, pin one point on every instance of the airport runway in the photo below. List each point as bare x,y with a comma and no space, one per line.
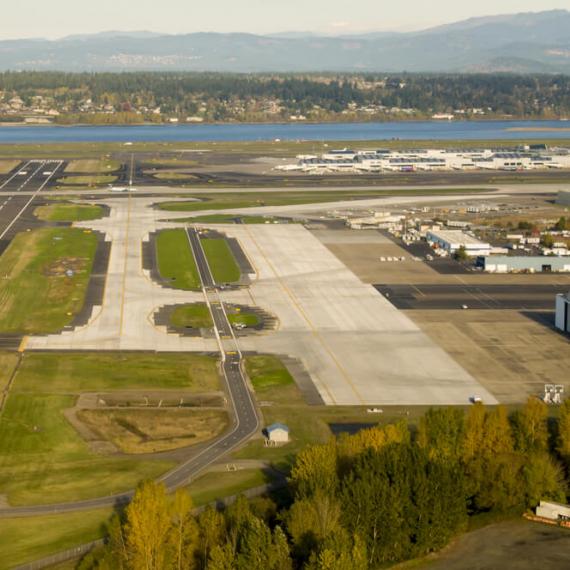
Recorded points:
538,297
18,191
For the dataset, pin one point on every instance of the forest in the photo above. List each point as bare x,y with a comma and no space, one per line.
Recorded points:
364,501
145,96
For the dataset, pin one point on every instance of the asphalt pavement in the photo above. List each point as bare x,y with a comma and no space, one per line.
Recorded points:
492,296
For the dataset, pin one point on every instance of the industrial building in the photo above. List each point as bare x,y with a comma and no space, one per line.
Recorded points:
453,240
526,264
562,321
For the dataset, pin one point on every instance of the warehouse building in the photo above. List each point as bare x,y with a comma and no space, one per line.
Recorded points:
453,240
562,321
527,264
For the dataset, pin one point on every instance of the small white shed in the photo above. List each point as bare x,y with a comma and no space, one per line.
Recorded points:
277,433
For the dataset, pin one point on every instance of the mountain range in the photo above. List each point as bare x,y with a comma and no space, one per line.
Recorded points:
522,43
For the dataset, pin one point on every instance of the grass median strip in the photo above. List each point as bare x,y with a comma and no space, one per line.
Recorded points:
44,278
195,316
175,261
231,200
221,260
68,212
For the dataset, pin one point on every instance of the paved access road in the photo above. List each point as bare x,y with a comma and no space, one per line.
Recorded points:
246,420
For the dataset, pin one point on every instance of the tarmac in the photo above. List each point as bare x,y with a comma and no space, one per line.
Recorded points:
125,319
357,348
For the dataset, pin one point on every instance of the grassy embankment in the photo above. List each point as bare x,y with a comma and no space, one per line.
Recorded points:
221,260
175,260
39,449
68,212
36,293
194,315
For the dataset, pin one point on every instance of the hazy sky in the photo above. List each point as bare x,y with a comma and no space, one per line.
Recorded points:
56,18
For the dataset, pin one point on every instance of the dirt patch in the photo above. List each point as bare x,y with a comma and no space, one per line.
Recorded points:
150,431
67,266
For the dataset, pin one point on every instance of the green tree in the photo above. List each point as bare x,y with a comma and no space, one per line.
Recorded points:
544,480
564,431
147,527
474,432
212,532
310,521
315,469
339,552
184,531
530,426
441,432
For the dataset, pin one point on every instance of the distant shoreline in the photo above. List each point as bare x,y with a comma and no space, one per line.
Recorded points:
392,120
539,129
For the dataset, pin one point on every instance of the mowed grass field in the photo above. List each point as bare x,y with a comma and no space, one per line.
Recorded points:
175,260
221,260
92,165
68,212
194,315
39,449
32,538
36,294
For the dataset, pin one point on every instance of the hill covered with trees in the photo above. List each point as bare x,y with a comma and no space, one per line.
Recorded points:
101,98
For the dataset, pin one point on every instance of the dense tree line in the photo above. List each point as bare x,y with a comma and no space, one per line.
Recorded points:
362,501
226,96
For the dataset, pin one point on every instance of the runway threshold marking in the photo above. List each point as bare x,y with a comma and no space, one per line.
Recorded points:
313,329
32,198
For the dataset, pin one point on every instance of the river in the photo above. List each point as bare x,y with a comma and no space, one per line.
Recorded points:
409,130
